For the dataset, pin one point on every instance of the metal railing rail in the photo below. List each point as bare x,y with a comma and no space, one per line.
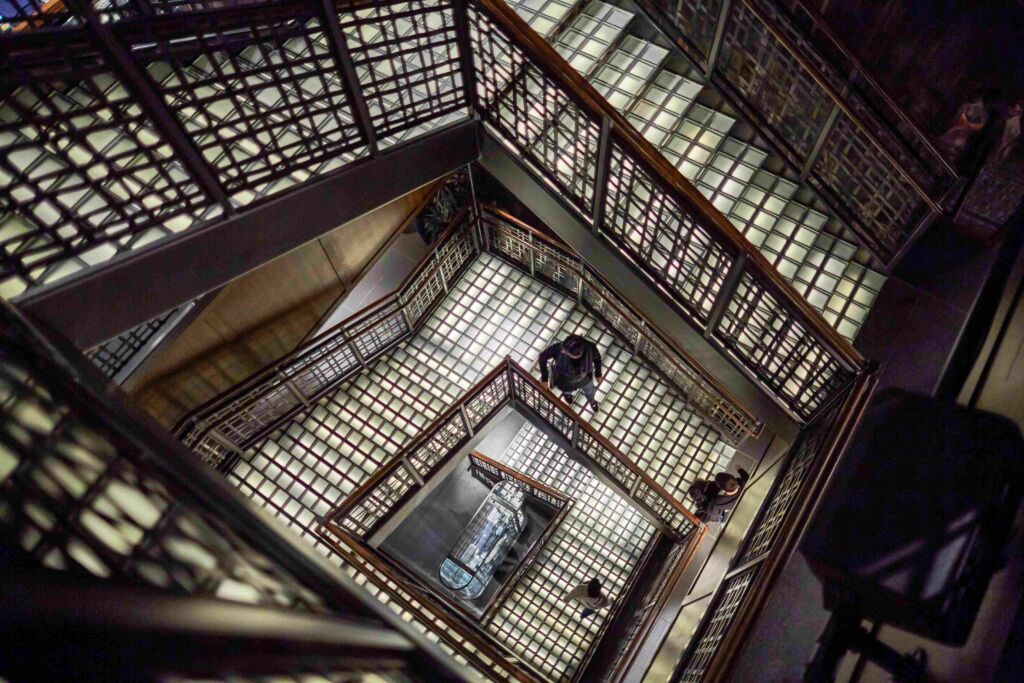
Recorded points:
121,356
93,489
643,621
615,611
882,174
461,637
495,471
808,19
186,164
225,426
398,578
618,182
367,508
137,634
135,120
744,590
547,259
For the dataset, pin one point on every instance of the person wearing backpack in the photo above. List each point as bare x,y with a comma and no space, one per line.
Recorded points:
575,365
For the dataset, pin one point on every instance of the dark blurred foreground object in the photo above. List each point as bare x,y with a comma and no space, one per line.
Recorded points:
913,527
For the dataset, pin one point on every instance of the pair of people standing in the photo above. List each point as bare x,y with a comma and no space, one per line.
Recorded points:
715,498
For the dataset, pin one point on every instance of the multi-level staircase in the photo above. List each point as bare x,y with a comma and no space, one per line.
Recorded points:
685,117
310,465
265,106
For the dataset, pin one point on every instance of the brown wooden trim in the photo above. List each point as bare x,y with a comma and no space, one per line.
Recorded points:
615,610
839,102
664,591
342,542
506,367
531,553
554,67
604,443
822,25
400,230
839,436
395,462
656,330
519,476
270,370
417,584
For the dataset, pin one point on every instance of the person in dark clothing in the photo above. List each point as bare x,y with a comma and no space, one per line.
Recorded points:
575,366
717,497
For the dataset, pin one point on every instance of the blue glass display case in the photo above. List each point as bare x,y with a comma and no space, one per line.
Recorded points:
480,550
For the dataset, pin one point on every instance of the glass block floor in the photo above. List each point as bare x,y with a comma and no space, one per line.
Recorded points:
309,466
601,536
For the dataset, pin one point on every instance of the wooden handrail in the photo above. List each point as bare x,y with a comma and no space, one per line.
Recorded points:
396,461
648,323
602,441
615,610
519,476
338,539
838,438
423,264
835,96
508,366
662,594
576,88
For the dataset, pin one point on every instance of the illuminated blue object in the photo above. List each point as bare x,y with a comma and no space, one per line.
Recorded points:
482,547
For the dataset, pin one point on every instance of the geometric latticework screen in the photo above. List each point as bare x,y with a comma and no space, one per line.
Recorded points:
128,124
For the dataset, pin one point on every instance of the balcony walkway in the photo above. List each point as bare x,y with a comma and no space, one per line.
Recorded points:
494,311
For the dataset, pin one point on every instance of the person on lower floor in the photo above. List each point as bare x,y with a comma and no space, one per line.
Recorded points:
715,498
590,596
575,365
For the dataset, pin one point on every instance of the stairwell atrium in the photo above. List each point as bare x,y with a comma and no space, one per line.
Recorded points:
277,277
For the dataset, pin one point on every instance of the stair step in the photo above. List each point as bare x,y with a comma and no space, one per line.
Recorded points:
542,15
662,105
591,34
695,139
621,78
730,170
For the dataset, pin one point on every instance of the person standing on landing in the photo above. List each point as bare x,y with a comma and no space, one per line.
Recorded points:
590,596
575,366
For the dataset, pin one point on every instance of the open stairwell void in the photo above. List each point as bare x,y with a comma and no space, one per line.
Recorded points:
601,536
312,463
673,107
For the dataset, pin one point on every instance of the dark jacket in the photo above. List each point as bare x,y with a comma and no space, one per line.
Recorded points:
571,373
716,506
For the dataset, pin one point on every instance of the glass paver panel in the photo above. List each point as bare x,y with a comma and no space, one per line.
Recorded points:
542,15
646,418
731,169
602,535
310,466
695,140
590,35
623,76
662,105
407,63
